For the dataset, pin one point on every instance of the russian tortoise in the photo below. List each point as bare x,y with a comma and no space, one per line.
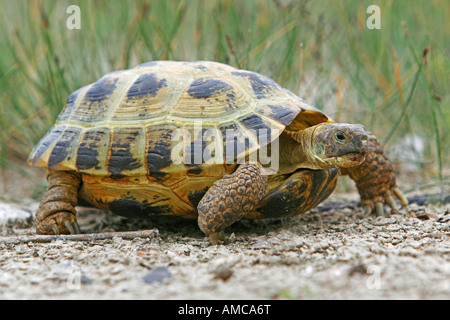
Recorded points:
180,138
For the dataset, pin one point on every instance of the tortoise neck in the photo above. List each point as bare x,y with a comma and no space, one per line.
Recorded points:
297,150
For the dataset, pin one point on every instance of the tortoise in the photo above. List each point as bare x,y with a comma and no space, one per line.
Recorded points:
186,139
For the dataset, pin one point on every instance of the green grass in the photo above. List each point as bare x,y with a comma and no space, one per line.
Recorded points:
321,49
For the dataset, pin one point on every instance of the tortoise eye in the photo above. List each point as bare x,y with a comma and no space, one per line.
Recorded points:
340,136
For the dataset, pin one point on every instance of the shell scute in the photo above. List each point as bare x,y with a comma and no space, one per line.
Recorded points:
127,152
146,85
159,146
92,150
41,152
99,99
70,105
256,125
65,147
279,112
262,86
208,87
209,99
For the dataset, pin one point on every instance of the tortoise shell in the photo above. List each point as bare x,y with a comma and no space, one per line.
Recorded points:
124,124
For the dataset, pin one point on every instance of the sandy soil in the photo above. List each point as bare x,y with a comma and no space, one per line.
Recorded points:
332,252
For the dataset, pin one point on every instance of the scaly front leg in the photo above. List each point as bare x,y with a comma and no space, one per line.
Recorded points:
230,199
375,180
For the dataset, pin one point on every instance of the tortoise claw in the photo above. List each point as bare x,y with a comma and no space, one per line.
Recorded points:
77,228
58,223
215,237
376,204
379,207
72,227
391,202
69,227
387,198
400,196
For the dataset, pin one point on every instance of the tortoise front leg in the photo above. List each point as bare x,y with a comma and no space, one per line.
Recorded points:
375,180
229,199
56,213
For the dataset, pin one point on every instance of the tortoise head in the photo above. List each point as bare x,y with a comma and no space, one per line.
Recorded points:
339,145
324,146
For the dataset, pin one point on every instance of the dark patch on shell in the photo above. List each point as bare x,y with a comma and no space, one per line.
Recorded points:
47,141
121,158
87,158
134,209
195,196
158,175
207,87
91,142
284,201
323,184
284,115
158,156
261,84
260,129
195,171
299,195
63,146
101,89
146,85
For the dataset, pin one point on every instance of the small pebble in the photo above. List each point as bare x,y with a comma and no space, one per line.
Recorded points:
158,274
224,274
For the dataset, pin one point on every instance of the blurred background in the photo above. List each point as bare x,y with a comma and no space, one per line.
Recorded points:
394,80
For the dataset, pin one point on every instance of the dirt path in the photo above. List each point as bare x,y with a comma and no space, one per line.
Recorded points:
331,253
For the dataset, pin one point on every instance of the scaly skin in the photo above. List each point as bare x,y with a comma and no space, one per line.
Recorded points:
56,213
230,199
375,179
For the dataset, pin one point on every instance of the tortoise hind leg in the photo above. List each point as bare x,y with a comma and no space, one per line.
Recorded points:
56,213
229,199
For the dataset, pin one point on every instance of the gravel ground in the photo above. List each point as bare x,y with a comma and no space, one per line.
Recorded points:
332,252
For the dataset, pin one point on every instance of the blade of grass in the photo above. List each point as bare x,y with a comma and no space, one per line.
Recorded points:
300,70
277,35
404,104
132,35
435,107
405,107
232,50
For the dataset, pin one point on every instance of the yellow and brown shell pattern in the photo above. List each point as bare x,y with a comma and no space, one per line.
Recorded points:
123,131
